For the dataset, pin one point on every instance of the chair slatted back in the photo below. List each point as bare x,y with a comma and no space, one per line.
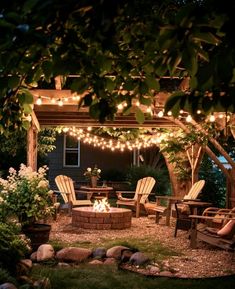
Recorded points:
65,186
195,190
144,188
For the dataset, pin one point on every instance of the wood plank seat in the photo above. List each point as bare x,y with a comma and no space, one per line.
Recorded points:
207,235
143,189
66,189
166,210
222,236
153,209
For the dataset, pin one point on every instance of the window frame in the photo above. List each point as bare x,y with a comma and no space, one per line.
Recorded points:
65,150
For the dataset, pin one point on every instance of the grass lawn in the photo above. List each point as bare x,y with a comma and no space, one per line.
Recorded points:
152,248
106,277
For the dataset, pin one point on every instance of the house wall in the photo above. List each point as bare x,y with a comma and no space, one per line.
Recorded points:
89,156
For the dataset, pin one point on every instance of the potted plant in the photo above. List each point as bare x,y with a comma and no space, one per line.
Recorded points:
26,195
93,175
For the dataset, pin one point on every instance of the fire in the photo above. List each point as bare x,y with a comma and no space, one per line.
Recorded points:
101,205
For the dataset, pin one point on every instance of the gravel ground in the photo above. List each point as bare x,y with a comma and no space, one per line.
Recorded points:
205,261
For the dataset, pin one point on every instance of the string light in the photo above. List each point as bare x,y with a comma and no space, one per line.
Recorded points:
60,102
42,99
189,118
212,118
120,106
39,100
169,113
160,113
114,144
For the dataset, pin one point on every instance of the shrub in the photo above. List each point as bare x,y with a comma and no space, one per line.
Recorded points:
13,247
26,194
162,186
6,277
215,189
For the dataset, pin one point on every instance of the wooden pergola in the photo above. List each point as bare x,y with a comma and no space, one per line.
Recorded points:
51,114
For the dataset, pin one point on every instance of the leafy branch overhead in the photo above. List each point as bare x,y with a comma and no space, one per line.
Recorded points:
119,51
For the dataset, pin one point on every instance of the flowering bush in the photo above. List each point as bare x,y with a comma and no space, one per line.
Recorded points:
26,194
92,172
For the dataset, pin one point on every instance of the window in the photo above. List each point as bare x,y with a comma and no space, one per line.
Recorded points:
71,151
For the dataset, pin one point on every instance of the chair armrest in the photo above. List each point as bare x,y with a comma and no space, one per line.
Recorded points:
195,200
59,193
120,197
210,217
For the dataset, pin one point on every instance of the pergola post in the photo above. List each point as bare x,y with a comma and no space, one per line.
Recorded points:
32,137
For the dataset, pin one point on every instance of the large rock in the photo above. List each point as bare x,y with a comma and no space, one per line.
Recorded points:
24,267
33,256
138,258
45,252
116,252
99,252
73,254
126,255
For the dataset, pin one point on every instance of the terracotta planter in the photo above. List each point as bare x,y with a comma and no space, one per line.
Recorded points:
38,234
94,180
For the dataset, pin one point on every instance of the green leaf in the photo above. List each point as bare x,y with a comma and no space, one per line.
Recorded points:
173,103
107,64
26,125
79,85
148,68
13,81
110,84
174,62
37,74
203,54
189,59
139,115
206,37
193,82
127,110
27,108
47,70
145,100
143,88
152,83
129,85
25,96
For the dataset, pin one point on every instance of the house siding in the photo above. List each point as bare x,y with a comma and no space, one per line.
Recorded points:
89,156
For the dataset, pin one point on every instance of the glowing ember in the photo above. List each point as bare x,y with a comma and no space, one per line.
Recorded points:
101,205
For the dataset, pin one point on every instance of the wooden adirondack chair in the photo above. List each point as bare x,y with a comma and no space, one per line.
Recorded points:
165,210
67,191
143,189
216,227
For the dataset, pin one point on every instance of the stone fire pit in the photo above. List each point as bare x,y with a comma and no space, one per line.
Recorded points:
115,218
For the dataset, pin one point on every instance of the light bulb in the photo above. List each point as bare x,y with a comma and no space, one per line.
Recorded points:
39,101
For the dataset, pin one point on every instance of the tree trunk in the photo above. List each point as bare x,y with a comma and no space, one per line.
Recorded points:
179,187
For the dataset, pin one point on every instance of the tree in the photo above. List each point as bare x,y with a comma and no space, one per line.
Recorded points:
119,51
13,148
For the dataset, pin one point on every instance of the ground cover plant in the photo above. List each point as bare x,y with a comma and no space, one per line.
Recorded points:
102,277
152,248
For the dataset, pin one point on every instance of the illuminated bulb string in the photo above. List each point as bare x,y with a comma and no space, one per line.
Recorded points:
144,141
56,101
112,144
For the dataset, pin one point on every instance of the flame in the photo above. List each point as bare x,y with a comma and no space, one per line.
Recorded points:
101,205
